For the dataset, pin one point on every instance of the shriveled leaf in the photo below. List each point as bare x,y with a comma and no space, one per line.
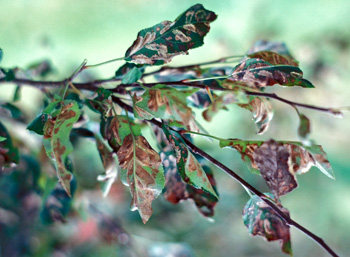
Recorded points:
8,153
274,58
272,161
262,220
40,69
261,74
220,102
142,171
56,140
110,166
132,76
264,45
301,158
187,165
262,112
304,128
164,102
159,44
37,125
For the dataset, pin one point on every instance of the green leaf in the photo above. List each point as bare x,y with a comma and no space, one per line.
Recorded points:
142,171
17,94
304,128
164,102
301,158
260,73
38,124
159,44
110,166
2,139
56,140
1,54
132,76
8,153
187,165
262,220
16,113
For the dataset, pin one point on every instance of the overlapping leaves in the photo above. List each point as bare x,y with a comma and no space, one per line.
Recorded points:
8,152
159,44
187,165
164,102
262,220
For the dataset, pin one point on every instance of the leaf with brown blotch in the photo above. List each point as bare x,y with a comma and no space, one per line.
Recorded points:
274,58
187,165
262,74
301,157
159,44
164,102
110,166
142,171
272,161
262,112
56,139
272,46
262,220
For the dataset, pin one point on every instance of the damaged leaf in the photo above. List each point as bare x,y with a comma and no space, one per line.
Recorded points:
262,112
56,139
187,165
262,74
164,102
142,171
8,153
274,58
301,158
271,46
159,44
272,161
262,220
110,166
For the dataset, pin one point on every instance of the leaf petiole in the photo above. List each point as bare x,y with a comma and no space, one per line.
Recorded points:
103,63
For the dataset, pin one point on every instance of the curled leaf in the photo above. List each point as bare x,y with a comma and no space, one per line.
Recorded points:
142,171
262,74
272,161
262,220
159,44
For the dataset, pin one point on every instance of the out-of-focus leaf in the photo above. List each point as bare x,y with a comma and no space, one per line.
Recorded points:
304,128
83,132
132,76
17,94
126,67
261,74
159,44
110,166
37,125
164,102
41,69
8,153
220,102
58,204
301,158
262,112
263,45
262,220
272,161
1,54
56,140
10,74
2,139
187,165
274,58
16,113
142,171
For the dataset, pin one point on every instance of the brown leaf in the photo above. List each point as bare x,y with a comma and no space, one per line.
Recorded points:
142,172
272,161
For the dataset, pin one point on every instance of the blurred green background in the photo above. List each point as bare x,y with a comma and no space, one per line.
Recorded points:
318,35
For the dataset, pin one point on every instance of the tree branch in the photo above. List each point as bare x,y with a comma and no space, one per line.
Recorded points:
240,180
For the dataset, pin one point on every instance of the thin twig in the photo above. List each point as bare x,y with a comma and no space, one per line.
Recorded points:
240,180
